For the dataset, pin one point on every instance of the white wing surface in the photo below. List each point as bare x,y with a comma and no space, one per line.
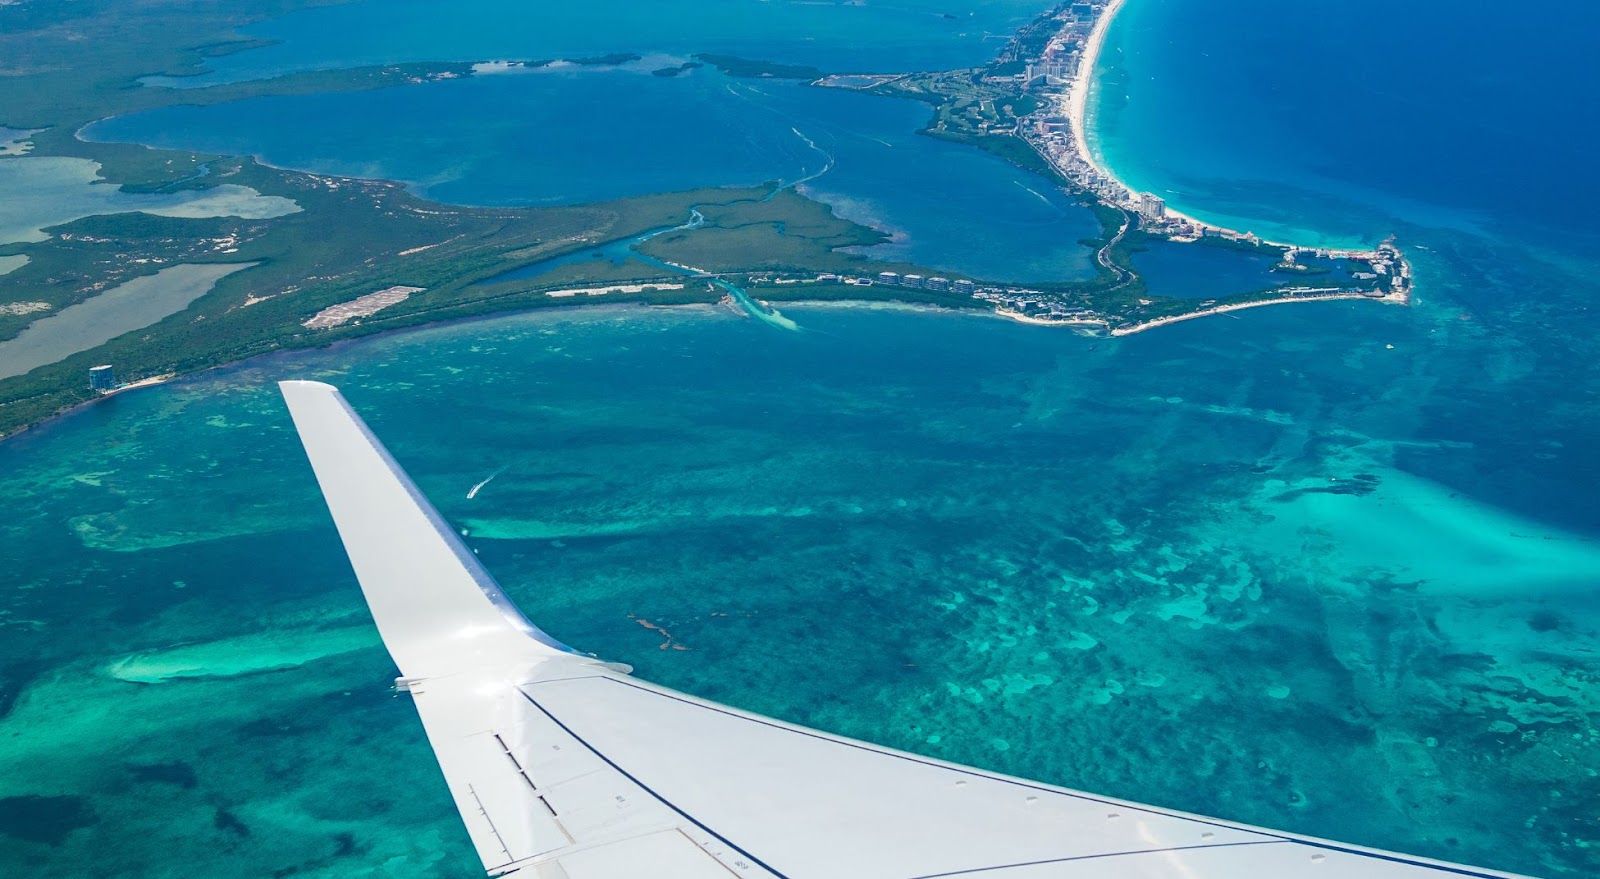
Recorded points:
564,767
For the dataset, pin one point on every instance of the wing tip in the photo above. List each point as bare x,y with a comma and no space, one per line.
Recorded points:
305,386
311,399
330,429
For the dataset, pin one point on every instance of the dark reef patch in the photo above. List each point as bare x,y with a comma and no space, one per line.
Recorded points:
1539,621
44,819
176,773
226,821
13,680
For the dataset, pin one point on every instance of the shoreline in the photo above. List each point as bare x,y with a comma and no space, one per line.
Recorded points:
1077,97
1096,327
1074,105
175,378
1074,159
888,305
1083,323
1156,323
553,312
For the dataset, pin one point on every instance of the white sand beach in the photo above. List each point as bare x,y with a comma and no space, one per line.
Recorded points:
1075,103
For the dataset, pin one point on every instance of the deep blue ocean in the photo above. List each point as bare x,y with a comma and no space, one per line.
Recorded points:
1325,567
1345,117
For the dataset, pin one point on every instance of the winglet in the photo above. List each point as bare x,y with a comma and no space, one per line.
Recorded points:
438,610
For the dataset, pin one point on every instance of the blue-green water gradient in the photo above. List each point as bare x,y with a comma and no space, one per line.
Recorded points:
1206,568
1323,567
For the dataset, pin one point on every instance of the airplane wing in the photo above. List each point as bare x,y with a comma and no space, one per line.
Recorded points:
565,767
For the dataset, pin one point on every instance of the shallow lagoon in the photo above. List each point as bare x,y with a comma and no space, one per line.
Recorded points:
15,141
1193,271
838,37
45,191
534,137
129,306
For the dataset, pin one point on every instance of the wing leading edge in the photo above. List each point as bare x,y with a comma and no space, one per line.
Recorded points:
564,767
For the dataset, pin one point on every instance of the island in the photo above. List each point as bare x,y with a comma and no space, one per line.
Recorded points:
282,259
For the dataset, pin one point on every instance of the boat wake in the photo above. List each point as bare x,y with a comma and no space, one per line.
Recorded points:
826,166
473,492
1035,193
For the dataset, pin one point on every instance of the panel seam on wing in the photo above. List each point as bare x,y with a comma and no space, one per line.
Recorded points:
968,871
647,789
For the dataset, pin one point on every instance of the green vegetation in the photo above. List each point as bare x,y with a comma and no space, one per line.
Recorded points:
786,232
610,60
1028,42
1007,146
387,237
596,273
1260,247
746,68
685,67
963,101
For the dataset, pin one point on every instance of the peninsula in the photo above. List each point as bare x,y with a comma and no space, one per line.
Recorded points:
1031,105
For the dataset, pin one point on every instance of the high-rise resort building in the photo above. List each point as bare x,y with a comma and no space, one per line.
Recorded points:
890,278
937,284
962,285
911,281
1054,70
1151,207
102,379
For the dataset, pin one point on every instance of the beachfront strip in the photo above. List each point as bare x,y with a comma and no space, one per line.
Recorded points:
1062,76
1046,308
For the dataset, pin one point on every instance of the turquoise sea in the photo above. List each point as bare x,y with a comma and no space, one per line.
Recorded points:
1324,567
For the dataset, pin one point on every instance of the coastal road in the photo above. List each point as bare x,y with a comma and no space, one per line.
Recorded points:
1104,254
